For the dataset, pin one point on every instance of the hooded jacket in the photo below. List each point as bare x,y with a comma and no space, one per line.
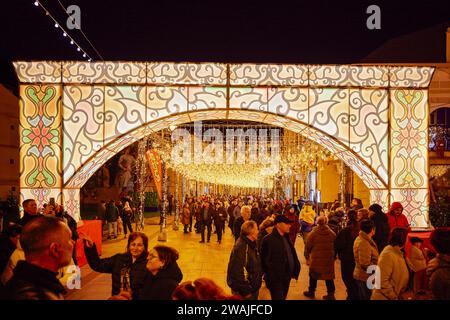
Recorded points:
397,220
161,285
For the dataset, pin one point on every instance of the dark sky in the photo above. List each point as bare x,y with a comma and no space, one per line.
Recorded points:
298,31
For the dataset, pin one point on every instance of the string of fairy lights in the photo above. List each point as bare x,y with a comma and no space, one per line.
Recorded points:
66,34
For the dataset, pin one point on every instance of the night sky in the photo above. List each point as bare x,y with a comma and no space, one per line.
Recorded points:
279,31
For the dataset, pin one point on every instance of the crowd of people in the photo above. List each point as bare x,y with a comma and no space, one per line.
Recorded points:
369,243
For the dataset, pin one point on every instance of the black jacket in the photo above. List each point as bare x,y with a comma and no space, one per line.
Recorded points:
343,245
27,218
31,282
209,216
161,285
219,216
237,227
275,261
116,265
244,273
112,213
7,247
382,230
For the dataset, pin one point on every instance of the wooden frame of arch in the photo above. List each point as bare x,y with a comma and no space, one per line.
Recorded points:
74,116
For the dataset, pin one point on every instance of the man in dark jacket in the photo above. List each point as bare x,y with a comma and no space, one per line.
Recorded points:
230,212
30,211
219,217
206,221
382,228
244,274
279,259
47,244
244,216
112,215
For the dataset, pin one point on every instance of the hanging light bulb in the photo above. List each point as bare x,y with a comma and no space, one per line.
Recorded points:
36,3
56,25
71,41
84,55
64,34
78,49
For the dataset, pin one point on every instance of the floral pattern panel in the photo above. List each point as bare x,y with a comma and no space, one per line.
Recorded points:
71,202
41,195
381,197
409,138
40,136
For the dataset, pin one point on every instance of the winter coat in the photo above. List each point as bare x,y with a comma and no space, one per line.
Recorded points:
275,261
237,227
261,235
397,220
237,212
27,218
382,230
219,216
31,282
186,216
7,248
244,273
161,285
417,259
366,254
209,216
230,211
116,265
112,213
438,271
308,214
343,245
319,250
394,274
295,227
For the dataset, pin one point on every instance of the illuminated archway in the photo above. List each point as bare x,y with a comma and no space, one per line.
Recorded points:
75,116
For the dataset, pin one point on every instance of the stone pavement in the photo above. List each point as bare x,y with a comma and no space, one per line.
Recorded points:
196,260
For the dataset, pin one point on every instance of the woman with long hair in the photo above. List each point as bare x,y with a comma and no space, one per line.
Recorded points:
127,269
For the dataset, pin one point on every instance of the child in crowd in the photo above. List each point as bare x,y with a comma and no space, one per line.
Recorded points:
418,264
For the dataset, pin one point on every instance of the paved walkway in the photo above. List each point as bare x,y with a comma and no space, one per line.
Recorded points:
196,260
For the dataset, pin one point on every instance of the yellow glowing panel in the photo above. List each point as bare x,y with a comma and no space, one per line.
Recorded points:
40,136
124,109
40,195
380,197
369,128
268,74
83,115
169,73
246,115
204,98
248,98
409,139
71,202
166,101
415,205
347,75
291,102
329,112
410,76
104,72
38,71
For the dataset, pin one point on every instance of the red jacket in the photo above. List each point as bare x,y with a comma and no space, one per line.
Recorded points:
397,220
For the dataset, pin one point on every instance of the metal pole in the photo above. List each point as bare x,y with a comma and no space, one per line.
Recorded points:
162,230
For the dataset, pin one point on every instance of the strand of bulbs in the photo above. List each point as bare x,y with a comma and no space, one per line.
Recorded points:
65,35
